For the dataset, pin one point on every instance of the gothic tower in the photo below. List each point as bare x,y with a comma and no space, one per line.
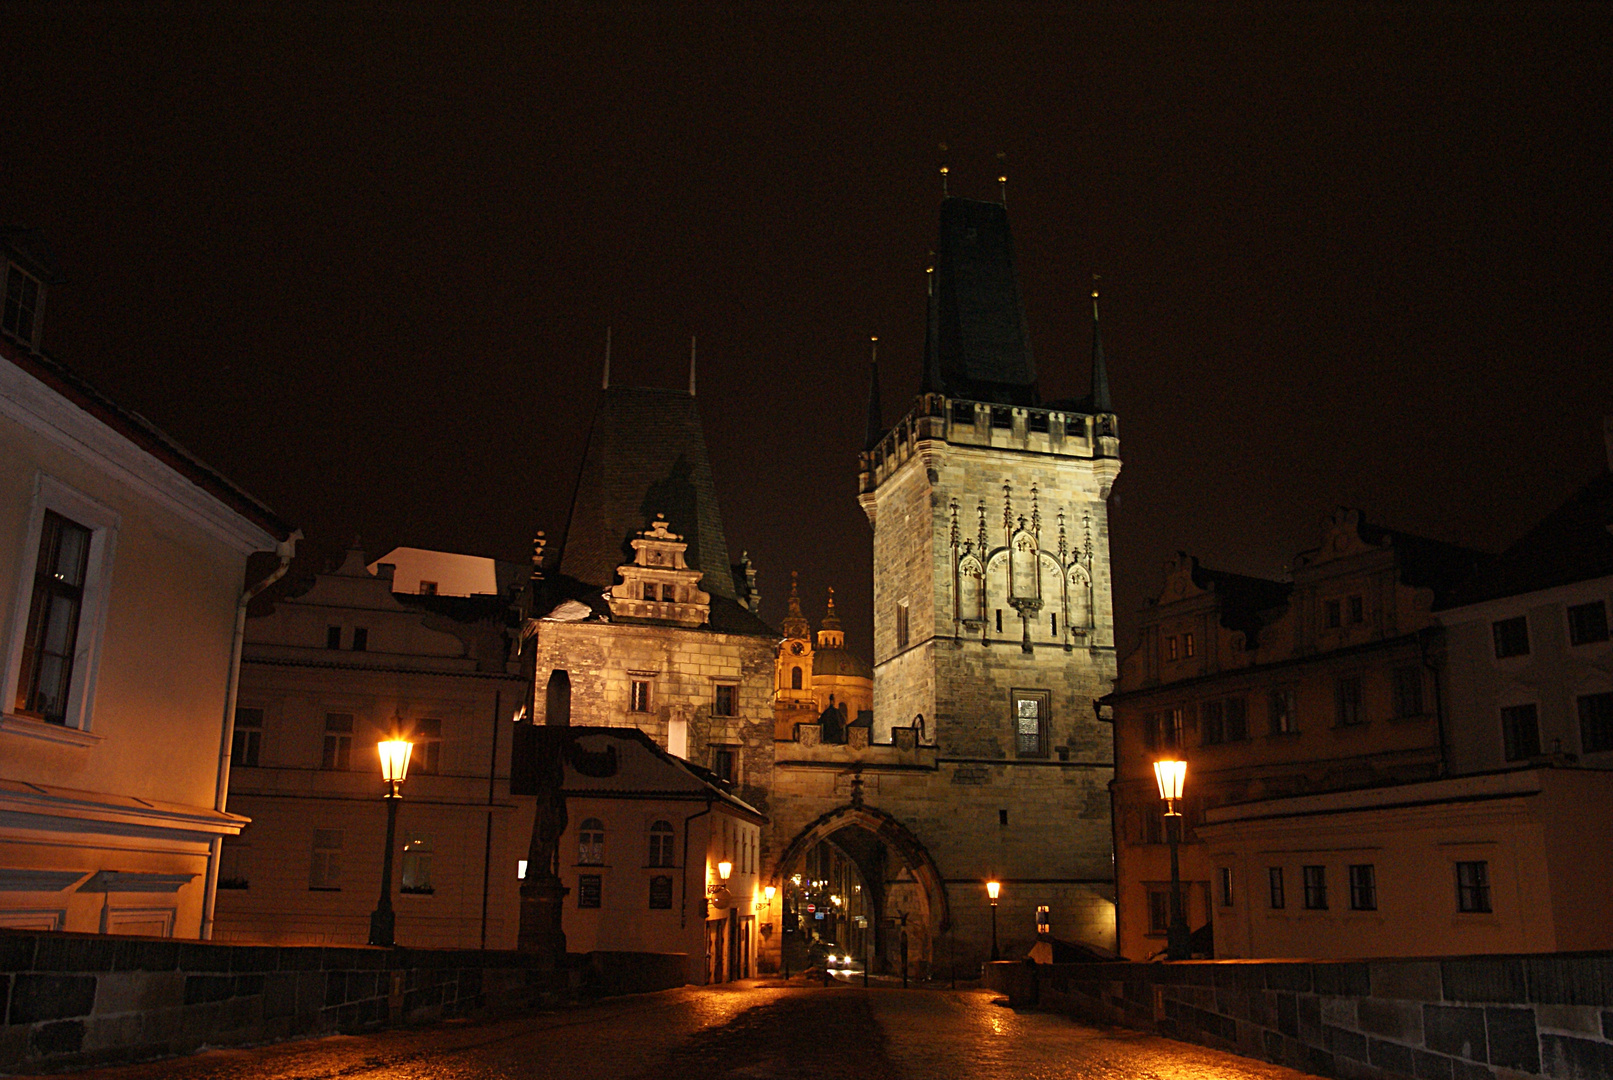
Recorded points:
993,623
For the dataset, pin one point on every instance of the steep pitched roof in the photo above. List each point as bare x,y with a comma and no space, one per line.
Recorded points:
977,346
1572,543
646,455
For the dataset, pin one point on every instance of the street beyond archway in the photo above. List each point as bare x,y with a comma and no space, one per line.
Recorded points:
760,1029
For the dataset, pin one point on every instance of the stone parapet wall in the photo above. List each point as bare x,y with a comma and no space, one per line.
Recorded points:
73,1000
1454,1018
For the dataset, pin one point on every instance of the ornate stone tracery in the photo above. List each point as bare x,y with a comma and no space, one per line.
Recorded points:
658,583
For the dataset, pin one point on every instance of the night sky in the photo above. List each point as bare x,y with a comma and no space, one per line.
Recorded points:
363,262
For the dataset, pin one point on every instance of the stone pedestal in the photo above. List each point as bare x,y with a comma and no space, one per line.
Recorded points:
541,931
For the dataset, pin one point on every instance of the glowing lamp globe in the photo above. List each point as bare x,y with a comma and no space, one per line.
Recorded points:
1170,775
992,889
394,759
724,869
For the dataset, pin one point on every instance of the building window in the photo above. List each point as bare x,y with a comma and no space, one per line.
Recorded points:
669,594
1587,623
589,890
1284,714
1225,874
795,678
1151,731
1175,736
1053,625
1170,647
1511,637
723,705
325,870
639,695
963,412
661,844
248,737
1187,646
1237,719
1473,886
426,756
1363,887
999,620
333,637
1358,611
51,639
722,762
1596,723
1331,617
1159,911
1002,418
17,318
361,639
901,625
1315,888
1520,732
417,865
1031,722
428,588
338,741
234,870
1153,826
1212,723
1408,691
1274,880
591,842
1347,699
660,893
1036,421
649,591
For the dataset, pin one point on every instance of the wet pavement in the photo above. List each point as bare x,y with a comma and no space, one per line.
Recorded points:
756,1030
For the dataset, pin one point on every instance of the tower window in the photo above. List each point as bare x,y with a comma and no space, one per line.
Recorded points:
999,620
901,625
795,678
1030,722
1053,625
639,696
649,591
1036,421
668,593
963,412
722,763
1002,418
724,703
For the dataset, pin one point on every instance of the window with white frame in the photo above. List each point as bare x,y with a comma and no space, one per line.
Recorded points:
61,607
426,757
248,737
20,308
338,749
417,865
661,844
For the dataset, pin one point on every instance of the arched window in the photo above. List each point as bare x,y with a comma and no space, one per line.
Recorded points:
795,678
591,842
661,844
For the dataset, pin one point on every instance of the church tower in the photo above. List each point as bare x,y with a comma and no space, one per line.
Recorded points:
993,622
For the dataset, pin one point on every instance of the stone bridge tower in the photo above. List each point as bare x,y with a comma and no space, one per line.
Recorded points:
993,638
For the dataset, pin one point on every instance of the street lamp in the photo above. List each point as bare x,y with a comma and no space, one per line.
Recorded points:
992,889
394,767
724,868
1170,774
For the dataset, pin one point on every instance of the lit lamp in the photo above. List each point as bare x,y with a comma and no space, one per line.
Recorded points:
394,767
992,889
1171,774
724,869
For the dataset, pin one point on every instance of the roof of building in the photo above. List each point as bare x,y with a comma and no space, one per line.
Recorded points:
646,455
726,616
977,346
623,762
144,434
1572,543
826,662
1246,604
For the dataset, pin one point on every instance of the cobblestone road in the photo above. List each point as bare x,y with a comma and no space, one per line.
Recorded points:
749,1031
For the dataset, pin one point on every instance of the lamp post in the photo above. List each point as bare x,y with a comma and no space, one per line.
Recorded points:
992,889
394,767
1170,774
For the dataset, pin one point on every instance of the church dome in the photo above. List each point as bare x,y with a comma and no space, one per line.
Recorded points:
829,662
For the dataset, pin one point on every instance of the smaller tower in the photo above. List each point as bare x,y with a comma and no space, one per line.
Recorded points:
792,676
658,584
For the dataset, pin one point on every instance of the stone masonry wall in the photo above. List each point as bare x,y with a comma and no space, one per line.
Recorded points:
1465,1018
73,1000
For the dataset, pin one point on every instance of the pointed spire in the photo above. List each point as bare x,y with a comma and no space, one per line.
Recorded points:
876,418
1100,372
795,624
691,365
605,385
831,621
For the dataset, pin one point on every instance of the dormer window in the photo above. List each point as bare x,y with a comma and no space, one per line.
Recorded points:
19,316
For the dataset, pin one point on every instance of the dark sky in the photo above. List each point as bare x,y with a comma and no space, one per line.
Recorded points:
363,261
